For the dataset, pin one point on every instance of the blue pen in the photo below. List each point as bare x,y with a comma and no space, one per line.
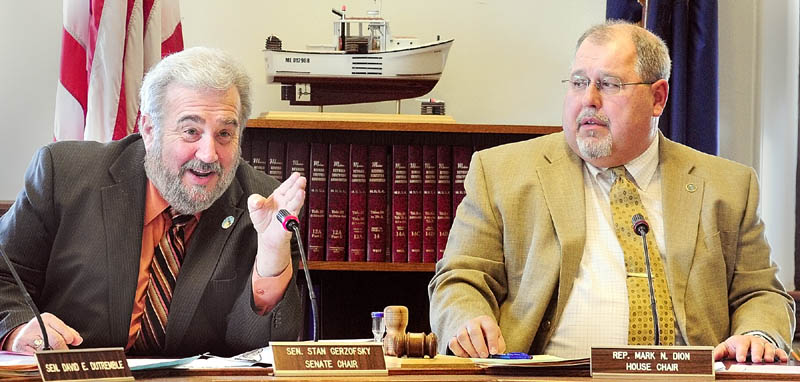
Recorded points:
513,355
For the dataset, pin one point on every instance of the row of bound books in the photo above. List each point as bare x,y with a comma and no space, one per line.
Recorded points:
371,202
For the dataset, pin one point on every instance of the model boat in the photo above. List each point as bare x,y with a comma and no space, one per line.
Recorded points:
364,64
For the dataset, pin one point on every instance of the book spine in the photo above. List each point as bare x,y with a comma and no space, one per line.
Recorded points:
317,201
247,146
276,154
357,243
258,153
444,202
297,159
376,204
414,204
400,203
338,169
461,158
428,204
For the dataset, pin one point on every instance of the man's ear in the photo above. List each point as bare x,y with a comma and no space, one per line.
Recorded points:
147,130
660,94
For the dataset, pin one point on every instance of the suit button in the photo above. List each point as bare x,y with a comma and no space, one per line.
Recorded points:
546,324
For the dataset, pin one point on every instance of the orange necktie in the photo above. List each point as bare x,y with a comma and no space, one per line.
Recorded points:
167,259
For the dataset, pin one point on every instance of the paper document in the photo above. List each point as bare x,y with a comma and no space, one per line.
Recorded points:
13,364
136,364
763,369
539,358
10,360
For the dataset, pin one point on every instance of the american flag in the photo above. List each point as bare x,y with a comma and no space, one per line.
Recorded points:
107,47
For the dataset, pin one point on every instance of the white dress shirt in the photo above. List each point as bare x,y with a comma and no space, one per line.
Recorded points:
596,313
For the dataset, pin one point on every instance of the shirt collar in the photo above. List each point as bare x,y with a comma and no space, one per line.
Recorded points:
154,203
641,168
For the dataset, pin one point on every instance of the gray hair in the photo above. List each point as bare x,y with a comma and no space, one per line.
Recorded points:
197,68
652,55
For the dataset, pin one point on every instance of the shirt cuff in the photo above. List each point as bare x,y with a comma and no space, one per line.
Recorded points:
268,291
7,337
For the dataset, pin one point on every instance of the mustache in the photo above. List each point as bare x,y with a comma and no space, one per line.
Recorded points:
591,113
200,166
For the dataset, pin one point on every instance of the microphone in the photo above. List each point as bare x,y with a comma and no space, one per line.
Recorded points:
641,228
28,300
640,225
289,221
291,224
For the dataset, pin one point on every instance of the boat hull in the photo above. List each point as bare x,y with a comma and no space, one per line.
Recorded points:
337,78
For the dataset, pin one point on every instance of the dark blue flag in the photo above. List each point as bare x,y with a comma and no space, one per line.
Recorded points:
690,30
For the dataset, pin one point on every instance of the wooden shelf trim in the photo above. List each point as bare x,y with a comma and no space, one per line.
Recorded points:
399,126
5,205
369,266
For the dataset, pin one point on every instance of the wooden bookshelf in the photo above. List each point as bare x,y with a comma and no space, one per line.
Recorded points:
348,291
5,205
387,122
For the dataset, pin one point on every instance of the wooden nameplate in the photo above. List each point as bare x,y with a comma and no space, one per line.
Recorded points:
687,363
106,364
327,358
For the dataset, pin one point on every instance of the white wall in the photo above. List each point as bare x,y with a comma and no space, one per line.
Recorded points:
505,72
758,109
508,72
30,39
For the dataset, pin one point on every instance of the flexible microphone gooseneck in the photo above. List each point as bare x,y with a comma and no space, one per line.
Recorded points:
28,300
641,228
291,224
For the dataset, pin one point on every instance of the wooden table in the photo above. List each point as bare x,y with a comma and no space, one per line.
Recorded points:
450,374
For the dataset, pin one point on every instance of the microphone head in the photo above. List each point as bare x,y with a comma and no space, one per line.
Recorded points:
640,225
288,220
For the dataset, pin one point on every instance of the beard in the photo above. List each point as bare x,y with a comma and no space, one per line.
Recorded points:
186,199
593,147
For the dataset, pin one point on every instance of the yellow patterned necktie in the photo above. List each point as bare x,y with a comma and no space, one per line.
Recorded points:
625,202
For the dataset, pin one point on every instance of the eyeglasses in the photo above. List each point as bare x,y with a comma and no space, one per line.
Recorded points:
606,85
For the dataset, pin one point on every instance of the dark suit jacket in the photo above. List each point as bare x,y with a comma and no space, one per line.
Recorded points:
74,234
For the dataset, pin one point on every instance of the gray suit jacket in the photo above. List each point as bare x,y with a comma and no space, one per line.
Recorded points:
74,234
518,238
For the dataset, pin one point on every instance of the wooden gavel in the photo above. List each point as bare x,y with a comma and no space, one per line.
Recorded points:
399,343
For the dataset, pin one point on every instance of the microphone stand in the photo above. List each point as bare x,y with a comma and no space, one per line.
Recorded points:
290,221
311,295
643,233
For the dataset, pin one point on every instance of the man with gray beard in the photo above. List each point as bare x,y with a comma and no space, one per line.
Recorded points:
542,256
165,242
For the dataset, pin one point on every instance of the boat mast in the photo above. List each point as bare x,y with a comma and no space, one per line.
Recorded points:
342,33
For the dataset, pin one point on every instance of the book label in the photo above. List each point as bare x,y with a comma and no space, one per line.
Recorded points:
415,204
317,201
357,236
338,170
376,204
399,204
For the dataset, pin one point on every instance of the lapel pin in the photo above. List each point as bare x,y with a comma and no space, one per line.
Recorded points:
691,187
227,223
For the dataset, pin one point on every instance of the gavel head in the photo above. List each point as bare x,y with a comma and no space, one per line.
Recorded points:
399,343
414,345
